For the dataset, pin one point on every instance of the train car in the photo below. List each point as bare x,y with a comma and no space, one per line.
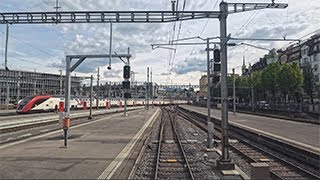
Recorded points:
46,103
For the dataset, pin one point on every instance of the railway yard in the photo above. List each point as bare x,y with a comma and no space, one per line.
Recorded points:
167,142
161,92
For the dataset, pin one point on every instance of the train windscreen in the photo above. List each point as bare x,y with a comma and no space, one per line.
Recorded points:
24,101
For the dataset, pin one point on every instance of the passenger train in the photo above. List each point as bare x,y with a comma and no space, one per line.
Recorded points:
46,103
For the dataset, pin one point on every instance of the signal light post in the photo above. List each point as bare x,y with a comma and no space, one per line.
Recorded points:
91,93
69,69
126,85
209,84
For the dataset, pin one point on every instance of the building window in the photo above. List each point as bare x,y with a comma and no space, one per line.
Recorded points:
316,78
315,68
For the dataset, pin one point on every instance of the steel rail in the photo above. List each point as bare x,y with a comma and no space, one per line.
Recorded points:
165,117
181,147
187,115
159,144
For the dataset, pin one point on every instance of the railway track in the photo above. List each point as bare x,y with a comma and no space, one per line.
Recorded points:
285,162
171,161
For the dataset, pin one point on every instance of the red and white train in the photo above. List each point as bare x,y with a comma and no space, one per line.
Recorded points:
45,103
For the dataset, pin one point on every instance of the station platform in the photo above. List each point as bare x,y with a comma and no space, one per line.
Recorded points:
302,134
24,119
6,112
95,149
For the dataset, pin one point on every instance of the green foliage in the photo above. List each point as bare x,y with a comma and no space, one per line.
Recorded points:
289,78
308,83
269,78
275,79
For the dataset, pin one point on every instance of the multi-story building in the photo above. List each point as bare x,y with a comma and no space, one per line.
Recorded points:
311,55
290,55
269,58
15,85
203,83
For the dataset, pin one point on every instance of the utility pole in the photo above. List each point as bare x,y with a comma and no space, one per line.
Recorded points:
8,94
91,90
60,82
18,87
210,125
252,98
109,92
57,7
234,92
6,48
151,87
35,87
98,87
224,89
147,90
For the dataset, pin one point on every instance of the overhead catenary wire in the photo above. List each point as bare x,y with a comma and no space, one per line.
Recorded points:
281,31
301,38
246,24
28,44
179,30
286,20
22,59
203,29
172,32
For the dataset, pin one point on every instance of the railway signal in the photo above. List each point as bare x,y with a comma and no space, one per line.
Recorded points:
126,84
216,55
126,72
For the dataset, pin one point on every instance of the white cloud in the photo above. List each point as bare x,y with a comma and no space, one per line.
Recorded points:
299,19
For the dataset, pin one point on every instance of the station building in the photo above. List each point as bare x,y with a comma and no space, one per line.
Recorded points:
15,85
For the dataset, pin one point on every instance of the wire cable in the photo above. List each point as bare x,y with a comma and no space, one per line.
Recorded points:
30,45
203,29
179,30
246,24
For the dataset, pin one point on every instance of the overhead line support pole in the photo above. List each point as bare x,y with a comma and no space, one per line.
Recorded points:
60,82
98,88
209,123
224,89
234,91
147,89
91,93
69,69
6,48
66,120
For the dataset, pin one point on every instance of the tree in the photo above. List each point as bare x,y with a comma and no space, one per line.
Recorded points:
269,79
308,83
256,83
289,79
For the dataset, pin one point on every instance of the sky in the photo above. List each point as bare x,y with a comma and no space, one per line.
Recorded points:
43,48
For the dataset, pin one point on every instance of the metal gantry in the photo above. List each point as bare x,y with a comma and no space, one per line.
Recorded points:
103,17
151,17
69,70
